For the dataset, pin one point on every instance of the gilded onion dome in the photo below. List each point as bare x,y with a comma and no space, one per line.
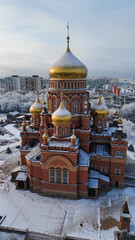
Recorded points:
68,66
24,123
116,112
61,115
120,120
73,137
36,108
45,136
100,109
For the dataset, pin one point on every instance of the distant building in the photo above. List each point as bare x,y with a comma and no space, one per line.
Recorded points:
20,83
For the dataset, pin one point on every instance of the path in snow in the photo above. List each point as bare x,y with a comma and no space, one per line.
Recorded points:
13,130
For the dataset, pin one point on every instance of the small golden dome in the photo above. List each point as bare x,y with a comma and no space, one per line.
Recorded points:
24,123
120,120
44,102
45,136
36,108
61,116
68,67
100,109
73,137
116,112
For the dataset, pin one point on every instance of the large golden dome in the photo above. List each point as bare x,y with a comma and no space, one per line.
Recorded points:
61,116
68,67
100,109
36,108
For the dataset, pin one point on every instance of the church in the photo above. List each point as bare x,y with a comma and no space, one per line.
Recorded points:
69,150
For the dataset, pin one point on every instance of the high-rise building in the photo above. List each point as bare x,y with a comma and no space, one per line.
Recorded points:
20,83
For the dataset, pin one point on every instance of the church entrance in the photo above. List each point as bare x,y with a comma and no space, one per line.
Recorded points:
116,184
21,185
92,192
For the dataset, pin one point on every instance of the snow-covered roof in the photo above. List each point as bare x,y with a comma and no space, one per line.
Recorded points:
14,113
103,133
93,183
84,158
69,60
66,144
22,176
93,174
125,215
33,154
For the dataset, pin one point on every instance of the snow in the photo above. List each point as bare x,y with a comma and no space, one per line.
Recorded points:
37,105
61,112
125,215
84,158
93,183
95,174
131,155
60,144
68,60
14,113
11,128
35,152
22,176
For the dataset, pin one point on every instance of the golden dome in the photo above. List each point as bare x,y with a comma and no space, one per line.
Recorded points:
116,112
73,137
36,108
68,67
45,136
100,109
120,120
24,123
44,102
61,116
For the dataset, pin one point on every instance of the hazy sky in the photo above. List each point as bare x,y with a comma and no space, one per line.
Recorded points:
33,35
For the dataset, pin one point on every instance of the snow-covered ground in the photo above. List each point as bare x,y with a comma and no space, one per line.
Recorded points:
12,138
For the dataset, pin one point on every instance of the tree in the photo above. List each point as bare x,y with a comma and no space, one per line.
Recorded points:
8,150
131,148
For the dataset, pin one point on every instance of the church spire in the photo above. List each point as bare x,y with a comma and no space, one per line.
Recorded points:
68,49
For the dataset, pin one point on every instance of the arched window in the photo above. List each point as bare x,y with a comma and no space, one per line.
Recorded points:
117,170
65,177
75,106
54,105
99,123
58,176
65,103
118,154
60,131
104,125
103,168
37,120
52,175
66,131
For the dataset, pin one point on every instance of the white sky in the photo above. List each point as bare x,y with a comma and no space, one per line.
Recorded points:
33,35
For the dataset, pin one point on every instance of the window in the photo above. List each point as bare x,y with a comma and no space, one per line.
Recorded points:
60,131
65,103
93,165
117,170
99,123
75,106
118,154
54,105
65,177
103,168
36,120
66,131
52,176
58,176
